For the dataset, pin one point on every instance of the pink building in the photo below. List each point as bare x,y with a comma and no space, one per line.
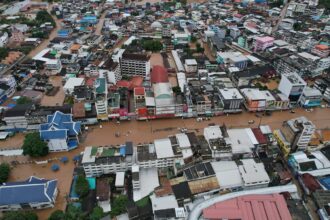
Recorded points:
321,50
261,43
250,207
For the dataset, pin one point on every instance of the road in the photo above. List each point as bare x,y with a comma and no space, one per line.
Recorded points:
143,131
99,25
52,35
282,16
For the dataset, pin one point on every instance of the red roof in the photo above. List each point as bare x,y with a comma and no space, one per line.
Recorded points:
310,182
123,83
136,81
261,138
257,207
90,82
139,91
158,74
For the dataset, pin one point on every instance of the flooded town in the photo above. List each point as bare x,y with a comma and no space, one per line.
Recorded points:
184,109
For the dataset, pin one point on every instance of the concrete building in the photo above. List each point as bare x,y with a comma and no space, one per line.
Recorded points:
134,64
97,161
101,98
261,43
231,99
294,135
310,97
253,174
292,86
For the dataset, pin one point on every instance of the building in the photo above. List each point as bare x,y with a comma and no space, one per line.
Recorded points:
256,100
134,64
60,132
310,97
4,38
190,65
217,143
249,205
253,174
228,175
33,193
97,161
231,100
16,118
71,83
101,98
294,135
292,86
316,163
261,43
321,50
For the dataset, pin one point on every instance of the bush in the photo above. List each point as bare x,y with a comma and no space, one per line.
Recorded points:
96,214
152,45
57,215
19,215
4,172
119,205
82,186
34,146
23,100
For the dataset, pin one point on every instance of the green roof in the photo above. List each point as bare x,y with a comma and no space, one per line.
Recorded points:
108,152
94,150
100,85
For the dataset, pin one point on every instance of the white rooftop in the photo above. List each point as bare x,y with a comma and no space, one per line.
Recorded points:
72,82
253,173
163,202
183,140
120,179
212,132
230,93
163,148
190,62
148,182
227,174
87,157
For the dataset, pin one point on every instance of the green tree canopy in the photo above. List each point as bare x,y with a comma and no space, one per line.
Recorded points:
82,187
96,214
43,16
152,45
23,100
57,215
19,215
176,89
4,172
74,213
3,52
34,146
119,205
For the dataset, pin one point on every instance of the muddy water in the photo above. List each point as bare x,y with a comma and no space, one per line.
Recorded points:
142,131
58,98
64,175
12,142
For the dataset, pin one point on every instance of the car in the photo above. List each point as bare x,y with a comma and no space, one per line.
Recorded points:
251,121
292,111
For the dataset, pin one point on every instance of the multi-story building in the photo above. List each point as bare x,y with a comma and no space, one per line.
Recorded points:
292,86
134,64
323,85
261,43
253,174
295,134
11,82
231,100
101,99
310,97
97,161
321,50
215,139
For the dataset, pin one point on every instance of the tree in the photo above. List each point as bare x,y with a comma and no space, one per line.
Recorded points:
19,215
57,215
199,48
34,146
74,213
3,52
4,172
23,100
152,45
96,214
193,39
43,16
176,89
82,186
119,205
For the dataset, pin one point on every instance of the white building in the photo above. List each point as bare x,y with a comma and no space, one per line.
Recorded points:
135,65
253,174
292,86
4,38
71,83
190,65
228,175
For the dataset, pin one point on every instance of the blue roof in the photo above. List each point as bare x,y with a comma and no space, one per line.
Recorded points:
325,181
122,151
30,191
59,126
